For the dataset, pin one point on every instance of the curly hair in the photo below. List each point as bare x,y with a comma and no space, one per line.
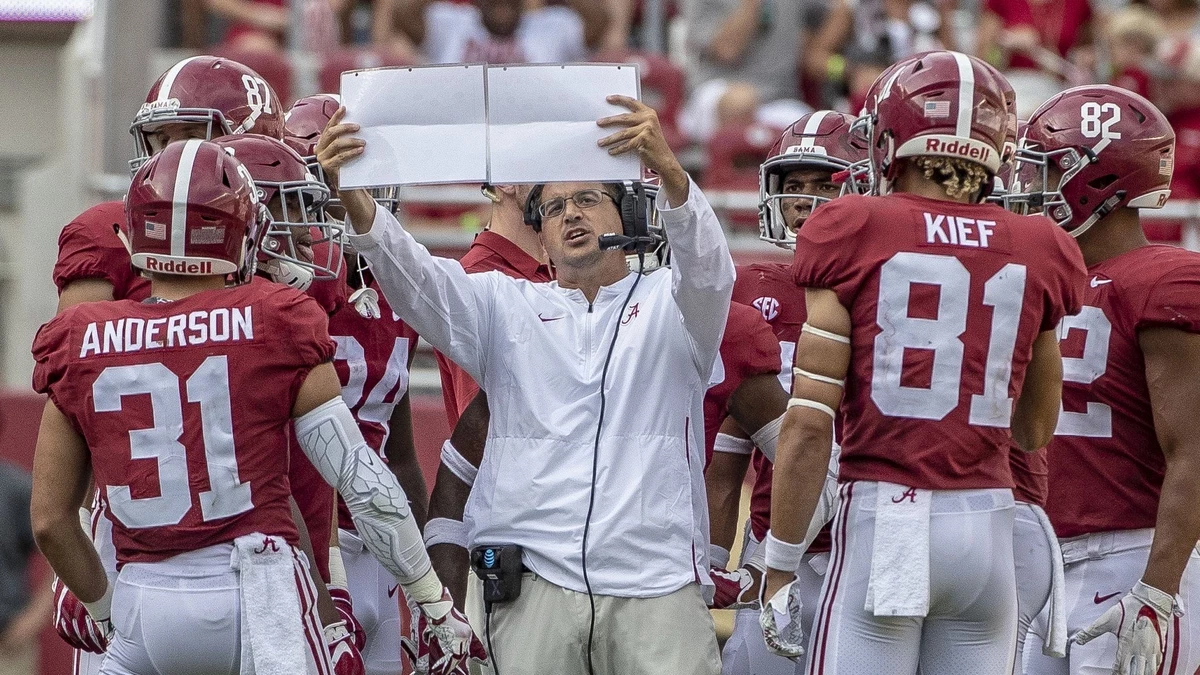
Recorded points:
958,177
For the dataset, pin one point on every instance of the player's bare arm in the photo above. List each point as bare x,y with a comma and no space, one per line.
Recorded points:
723,482
1035,413
450,494
756,405
401,455
61,479
84,290
1173,377
806,440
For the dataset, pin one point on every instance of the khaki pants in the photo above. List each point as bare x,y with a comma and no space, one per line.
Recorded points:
546,631
23,662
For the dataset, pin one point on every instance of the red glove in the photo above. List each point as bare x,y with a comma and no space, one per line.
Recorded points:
444,639
74,625
345,609
736,589
346,657
414,644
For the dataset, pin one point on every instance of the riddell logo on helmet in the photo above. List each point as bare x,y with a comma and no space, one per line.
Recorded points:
177,266
959,148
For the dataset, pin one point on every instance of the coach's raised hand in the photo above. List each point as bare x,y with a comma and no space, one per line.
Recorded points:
643,134
335,148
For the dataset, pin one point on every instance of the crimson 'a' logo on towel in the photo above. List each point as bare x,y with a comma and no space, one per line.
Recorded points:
268,542
910,494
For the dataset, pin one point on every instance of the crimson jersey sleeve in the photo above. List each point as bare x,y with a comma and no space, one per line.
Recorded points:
50,349
1174,300
748,349
1063,295
304,321
824,258
89,248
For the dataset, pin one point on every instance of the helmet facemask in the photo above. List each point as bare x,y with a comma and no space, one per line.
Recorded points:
772,222
1035,190
152,116
302,244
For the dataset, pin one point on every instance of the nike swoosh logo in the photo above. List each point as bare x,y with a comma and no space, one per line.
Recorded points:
1101,598
545,320
1096,281
392,591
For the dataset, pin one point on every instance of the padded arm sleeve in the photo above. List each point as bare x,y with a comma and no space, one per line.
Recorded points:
331,440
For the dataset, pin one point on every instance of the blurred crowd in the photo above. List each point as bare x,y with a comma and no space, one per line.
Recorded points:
733,71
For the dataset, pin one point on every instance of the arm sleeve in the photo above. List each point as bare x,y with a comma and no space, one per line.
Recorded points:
702,272
330,438
49,355
434,296
825,249
764,358
1174,302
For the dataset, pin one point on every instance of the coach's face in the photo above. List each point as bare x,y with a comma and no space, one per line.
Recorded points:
574,215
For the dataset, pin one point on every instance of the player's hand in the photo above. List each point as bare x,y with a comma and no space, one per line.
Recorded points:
346,657
780,622
736,589
414,644
345,610
75,626
639,131
1141,621
336,146
451,641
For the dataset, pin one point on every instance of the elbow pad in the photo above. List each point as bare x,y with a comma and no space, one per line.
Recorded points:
767,438
332,441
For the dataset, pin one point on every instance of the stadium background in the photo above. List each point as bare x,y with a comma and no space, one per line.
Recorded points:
74,71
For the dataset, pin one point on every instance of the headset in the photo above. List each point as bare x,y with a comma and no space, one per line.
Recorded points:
632,203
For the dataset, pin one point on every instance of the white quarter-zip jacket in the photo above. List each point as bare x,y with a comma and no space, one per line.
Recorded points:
538,351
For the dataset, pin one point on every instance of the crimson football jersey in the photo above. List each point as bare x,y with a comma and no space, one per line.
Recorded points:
372,363
185,406
945,300
1031,475
89,248
490,252
748,349
769,288
1106,465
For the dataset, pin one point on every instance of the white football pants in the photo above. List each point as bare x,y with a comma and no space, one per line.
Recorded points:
182,616
745,652
1031,553
1099,570
376,599
972,620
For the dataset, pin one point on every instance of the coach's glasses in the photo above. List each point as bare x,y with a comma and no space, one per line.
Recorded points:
584,199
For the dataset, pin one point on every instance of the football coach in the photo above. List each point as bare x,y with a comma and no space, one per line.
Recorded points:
593,473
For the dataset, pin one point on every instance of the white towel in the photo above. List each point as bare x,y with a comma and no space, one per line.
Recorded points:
899,581
1056,606
273,641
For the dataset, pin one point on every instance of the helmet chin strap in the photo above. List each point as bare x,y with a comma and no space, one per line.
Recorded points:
1106,207
289,274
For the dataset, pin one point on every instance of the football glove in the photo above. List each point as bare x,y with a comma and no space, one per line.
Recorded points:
1141,621
736,589
443,640
75,626
347,659
780,622
345,610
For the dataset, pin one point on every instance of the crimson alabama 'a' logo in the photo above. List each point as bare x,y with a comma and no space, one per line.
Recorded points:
633,311
768,306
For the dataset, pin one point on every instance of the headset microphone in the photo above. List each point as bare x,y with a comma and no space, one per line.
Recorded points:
608,242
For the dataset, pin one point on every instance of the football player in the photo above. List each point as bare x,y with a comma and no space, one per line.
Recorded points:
199,97
935,314
374,353
198,493
808,166
1124,460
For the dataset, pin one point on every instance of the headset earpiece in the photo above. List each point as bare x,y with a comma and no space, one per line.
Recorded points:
531,216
